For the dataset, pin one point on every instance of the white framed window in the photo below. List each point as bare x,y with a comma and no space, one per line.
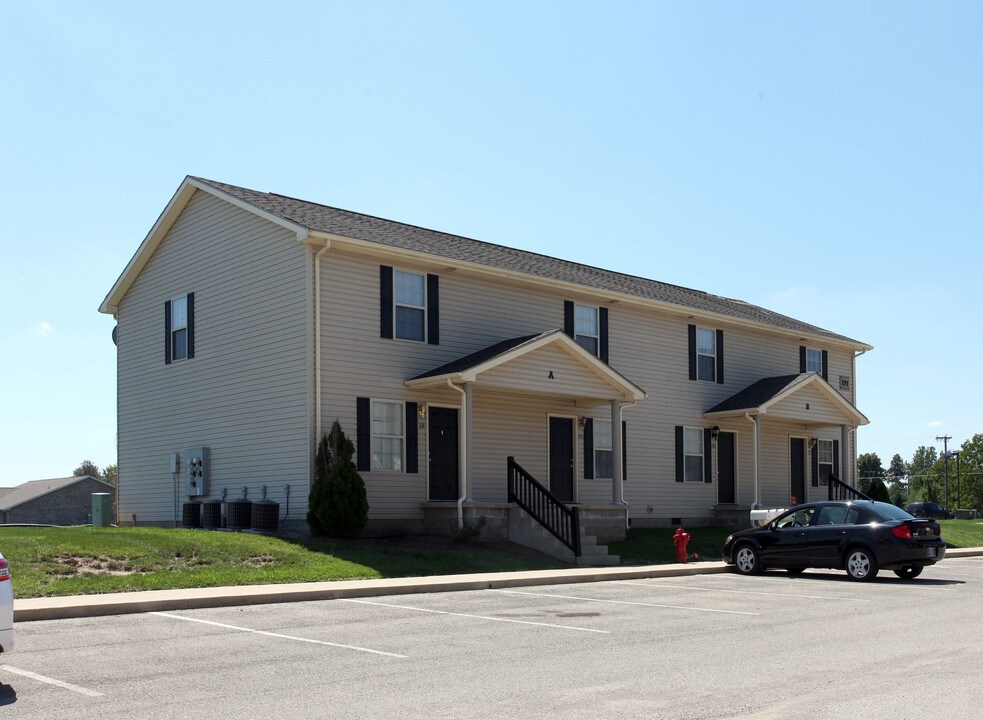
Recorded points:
706,354
411,305
814,360
693,454
179,328
586,327
824,455
388,435
603,454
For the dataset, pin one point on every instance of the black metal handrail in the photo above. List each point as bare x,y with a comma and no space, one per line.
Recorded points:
841,491
545,508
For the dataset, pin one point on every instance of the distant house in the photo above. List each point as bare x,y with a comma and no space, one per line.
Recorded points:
59,501
249,321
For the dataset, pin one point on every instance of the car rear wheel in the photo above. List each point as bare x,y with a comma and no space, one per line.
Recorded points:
860,564
909,572
747,560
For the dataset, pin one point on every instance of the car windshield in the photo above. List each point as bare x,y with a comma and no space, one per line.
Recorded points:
885,511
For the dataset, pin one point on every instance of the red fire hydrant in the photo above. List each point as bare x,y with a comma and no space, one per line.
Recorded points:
680,539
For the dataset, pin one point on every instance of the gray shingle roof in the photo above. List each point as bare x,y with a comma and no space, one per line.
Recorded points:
479,357
756,394
34,489
322,218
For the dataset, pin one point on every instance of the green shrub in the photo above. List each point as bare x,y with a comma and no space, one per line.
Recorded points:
337,506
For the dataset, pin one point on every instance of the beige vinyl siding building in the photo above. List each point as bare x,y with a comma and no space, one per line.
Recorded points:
298,312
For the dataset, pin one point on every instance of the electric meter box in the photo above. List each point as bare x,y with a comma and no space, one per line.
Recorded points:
196,472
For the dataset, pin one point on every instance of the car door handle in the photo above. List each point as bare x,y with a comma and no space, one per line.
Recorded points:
800,534
841,532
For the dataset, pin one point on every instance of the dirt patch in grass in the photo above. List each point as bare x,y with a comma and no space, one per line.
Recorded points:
81,565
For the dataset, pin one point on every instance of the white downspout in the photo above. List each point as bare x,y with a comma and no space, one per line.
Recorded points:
462,461
617,442
757,458
317,340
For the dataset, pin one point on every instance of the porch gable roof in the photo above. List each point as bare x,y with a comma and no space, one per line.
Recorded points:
470,367
765,394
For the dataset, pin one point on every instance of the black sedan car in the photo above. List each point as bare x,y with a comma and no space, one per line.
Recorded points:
860,536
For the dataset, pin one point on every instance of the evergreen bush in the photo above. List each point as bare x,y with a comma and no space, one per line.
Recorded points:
337,506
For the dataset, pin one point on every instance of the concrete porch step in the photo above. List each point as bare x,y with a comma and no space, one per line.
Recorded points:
524,530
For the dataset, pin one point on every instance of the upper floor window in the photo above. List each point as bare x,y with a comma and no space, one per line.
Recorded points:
179,317
408,305
387,435
814,360
411,306
706,354
603,450
587,328
824,455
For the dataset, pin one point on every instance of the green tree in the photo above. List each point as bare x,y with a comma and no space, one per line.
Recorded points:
970,488
925,479
870,474
338,506
110,474
898,469
87,468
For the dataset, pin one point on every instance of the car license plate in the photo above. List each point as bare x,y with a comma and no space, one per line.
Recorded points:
933,552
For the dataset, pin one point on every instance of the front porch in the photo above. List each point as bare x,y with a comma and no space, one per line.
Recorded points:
529,398
803,432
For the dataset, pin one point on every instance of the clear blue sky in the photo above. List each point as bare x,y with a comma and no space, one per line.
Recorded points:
823,160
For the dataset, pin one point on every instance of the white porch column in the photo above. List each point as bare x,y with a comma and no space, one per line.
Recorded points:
846,468
468,427
618,481
757,461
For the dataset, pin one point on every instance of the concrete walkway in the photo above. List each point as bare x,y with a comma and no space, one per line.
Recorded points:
53,608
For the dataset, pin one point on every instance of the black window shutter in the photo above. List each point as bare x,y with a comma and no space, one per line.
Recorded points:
603,322
814,461
720,357
167,332
568,326
588,449
191,325
802,358
385,301
679,453
412,441
433,311
624,449
836,459
825,366
363,438
692,352
707,456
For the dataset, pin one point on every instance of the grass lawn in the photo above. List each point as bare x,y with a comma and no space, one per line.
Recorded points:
962,533
87,560
649,546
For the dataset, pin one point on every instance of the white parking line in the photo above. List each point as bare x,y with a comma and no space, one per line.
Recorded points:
736,592
52,681
475,617
277,635
624,602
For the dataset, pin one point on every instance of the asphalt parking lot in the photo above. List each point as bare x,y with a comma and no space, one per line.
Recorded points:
712,646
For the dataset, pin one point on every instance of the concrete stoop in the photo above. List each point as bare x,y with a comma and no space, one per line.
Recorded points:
526,531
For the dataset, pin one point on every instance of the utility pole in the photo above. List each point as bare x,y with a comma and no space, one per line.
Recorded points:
945,456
